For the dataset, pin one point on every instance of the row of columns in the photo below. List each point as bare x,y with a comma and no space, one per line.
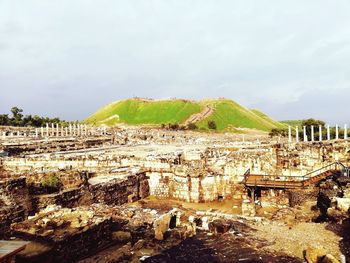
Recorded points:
56,130
312,139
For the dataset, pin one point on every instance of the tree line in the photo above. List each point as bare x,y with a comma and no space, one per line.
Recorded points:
18,119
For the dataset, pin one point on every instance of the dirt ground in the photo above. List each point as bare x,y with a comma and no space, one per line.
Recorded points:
290,239
293,240
261,241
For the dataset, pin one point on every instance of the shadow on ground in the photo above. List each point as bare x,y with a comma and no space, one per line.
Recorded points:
227,247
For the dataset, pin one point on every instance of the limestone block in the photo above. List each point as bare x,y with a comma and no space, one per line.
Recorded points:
343,204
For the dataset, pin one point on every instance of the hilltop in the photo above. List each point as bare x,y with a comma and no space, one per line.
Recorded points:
227,114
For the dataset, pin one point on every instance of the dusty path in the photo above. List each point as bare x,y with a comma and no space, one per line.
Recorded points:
206,112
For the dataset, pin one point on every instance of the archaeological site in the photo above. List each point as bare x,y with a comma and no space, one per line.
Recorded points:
174,131
137,194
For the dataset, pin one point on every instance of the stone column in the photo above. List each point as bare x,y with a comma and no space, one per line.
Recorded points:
62,131
36,133
289,134
3,135
336,132
312,133
66,130
328,133
297,134
42,131
70,130
305,135
52,129
345,132
47,129
57,130
320,133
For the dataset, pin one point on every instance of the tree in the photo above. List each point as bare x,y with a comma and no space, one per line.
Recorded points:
312,122
212,125
17,116
278,132
4,119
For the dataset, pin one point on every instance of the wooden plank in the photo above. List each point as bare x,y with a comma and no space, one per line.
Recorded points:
10,248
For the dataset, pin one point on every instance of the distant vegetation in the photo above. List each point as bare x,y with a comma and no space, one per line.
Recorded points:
18,119
227,114
293,123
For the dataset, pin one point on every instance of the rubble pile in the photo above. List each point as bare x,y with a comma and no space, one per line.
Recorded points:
334,198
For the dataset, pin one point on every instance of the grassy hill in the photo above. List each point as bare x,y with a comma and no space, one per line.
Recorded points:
227,114
267,118
137,111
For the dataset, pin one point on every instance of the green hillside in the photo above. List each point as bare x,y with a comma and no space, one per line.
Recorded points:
267,118
137,111
227,114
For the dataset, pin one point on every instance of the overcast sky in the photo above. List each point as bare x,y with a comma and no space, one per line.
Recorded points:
67,58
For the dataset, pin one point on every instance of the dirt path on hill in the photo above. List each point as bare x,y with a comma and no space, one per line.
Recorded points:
206,112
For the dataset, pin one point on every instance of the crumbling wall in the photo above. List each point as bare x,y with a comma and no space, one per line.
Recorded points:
14,203
119,191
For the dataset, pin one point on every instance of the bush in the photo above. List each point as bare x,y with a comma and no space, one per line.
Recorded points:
51,181
278,132
212,125
174,126
192,126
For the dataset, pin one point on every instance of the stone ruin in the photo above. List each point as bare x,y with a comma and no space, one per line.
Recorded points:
74,196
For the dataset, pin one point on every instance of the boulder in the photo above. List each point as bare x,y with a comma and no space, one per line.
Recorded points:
314,255
220,226
343,204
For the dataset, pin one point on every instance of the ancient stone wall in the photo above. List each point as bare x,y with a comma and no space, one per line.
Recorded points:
14,203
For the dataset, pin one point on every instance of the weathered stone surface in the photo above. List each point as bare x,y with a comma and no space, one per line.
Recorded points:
121,236
343,204
314,255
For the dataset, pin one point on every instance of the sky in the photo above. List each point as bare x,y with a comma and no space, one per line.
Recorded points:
67,58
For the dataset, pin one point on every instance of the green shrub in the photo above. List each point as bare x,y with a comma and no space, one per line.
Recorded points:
51,181
192,126
212,125
278,132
